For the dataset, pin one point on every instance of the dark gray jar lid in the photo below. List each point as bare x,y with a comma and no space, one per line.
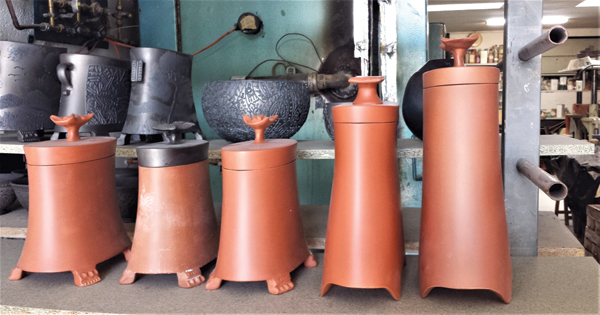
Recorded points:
174,150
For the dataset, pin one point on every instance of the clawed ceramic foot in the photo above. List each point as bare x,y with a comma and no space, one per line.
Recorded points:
213,282
127,254
190,278
83,279
16,274
280,284
128,277
310,262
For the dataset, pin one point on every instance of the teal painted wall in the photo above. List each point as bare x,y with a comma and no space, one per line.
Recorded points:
157,24
412,30
202,22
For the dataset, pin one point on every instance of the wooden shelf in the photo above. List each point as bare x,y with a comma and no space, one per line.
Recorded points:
324,149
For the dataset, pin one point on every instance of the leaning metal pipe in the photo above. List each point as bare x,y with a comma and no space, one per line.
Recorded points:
314,80
15,20
553,37
554,188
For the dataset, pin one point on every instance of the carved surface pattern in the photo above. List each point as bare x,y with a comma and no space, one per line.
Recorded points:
7,197
29,86
224,103
107,94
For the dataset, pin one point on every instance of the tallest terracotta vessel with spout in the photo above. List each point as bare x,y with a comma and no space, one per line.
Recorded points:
464,237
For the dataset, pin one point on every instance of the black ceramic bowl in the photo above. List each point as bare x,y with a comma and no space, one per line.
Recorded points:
7,194
127,197
225,103
21,188
328,117
22,172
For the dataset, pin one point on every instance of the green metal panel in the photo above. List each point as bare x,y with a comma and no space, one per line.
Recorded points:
157,24
202,22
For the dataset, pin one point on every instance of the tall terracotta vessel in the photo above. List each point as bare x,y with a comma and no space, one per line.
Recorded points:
464,237
74,221
261,230
365,247
176,229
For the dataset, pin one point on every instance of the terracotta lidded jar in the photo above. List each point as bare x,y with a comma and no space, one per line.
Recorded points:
74,220
464,237
364,243
176,228
261,229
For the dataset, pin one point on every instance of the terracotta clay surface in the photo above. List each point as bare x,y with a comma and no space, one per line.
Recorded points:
74,221
365,247
261,230
176,228
458,47
464,237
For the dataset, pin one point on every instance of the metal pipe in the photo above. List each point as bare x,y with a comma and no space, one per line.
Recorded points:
51,11
15,21
314,80
555,36
554,188
594,87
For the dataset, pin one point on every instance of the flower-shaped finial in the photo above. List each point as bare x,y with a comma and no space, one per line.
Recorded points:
458,46
259,123
72,123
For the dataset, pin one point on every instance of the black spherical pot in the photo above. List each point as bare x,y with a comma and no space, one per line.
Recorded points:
224,103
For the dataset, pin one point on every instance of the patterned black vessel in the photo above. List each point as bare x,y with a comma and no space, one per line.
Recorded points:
29,88
224,103
161,92
94,84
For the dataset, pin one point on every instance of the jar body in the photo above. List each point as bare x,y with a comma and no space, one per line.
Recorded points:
74,220
176,227
464,238
261,227
364,242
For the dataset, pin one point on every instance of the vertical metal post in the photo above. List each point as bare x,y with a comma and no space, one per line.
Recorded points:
521,121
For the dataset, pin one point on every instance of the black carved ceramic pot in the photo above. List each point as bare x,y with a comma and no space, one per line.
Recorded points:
7,194
21,188
328,117
224,103
161,90
127,196
94,84
29,87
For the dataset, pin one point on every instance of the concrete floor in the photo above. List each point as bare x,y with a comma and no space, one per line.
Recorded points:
572,288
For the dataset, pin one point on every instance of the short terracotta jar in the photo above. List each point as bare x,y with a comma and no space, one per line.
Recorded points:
74,220
364,243
464,236
261,229
176,228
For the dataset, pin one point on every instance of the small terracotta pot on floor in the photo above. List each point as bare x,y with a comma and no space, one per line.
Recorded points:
74,221
464,237
365,247
176,228
261,229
